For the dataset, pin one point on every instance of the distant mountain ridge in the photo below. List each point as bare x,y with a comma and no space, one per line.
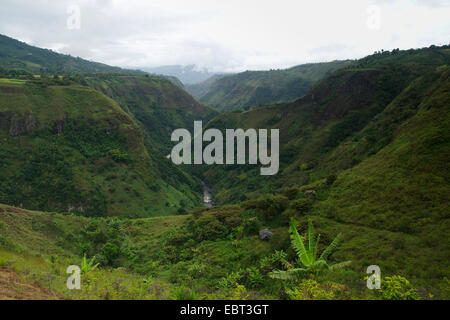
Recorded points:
199,90
190,74
253,88
15,54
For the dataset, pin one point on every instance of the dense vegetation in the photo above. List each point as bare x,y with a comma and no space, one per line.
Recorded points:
369,145
254,88
70,148
364,158
157,105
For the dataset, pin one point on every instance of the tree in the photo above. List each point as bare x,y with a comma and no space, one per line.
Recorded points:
310,263
110,251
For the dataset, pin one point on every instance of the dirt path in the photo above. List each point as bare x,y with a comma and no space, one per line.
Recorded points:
12,287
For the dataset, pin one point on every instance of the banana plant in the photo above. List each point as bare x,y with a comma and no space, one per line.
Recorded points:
88,266
308,260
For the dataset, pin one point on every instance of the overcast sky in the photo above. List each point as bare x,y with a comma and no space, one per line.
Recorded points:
225,35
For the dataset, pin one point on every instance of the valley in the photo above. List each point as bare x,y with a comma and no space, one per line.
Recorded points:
363,157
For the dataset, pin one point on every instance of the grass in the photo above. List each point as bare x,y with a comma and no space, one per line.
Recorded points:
5,81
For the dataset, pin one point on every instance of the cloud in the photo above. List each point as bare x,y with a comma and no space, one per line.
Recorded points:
426,3
231,35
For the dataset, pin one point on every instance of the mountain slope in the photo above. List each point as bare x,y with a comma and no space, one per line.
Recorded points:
253,88
15,54
342,120
157,104
198,90
365,153
70,148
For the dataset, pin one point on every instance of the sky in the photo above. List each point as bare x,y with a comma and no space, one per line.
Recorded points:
225,35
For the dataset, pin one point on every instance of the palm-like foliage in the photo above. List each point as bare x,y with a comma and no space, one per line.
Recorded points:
87,266
308,259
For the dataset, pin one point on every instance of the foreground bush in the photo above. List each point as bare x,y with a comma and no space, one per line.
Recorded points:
310,263
397,288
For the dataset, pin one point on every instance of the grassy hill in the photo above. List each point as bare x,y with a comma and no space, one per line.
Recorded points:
253,88
146,262
71,148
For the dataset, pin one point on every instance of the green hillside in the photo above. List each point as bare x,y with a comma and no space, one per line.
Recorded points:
15,54
139,258
199,90
344,119
158,106
253,88
363,153
70,148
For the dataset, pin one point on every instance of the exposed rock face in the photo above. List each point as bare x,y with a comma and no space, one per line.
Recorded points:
17,124
22,125
58,127
265,234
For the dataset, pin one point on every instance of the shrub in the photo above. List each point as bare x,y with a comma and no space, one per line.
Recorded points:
310,263
270,206
208,227
183,293
214,223
118,155
309,289
181,211
196,270
251,226
291,193
110,252
301,205
444,287
254,277
397,288
290,213
3,262
277,260
331,179
231,280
